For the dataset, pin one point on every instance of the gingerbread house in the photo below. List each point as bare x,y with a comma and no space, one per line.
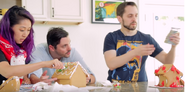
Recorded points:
169,76
12,84
73,74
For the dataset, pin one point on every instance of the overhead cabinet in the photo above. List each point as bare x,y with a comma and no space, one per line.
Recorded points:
55,11
38,8
67,9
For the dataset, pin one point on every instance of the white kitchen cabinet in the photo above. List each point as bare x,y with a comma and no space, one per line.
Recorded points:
38,8
67,9
55,11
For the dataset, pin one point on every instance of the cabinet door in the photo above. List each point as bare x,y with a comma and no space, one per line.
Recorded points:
67,9
38,8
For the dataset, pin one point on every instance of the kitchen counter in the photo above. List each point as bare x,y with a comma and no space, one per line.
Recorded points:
138,87
125,87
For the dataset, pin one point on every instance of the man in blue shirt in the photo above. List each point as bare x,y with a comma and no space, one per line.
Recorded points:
57,47
127,49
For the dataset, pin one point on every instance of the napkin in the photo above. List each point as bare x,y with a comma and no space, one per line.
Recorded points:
40,86
105,83
65,88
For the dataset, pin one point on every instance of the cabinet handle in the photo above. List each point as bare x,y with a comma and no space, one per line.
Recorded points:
53,12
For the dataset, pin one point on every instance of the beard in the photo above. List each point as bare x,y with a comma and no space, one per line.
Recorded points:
62,54
129,26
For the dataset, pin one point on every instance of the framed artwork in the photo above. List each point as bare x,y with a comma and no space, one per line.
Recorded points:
104,11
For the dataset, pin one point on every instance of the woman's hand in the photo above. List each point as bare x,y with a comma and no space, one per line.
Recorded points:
55,63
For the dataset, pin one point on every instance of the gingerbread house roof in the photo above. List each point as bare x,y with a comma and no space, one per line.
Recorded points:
12,84
166,68
68,71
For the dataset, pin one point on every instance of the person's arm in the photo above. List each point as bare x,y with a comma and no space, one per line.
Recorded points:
7,70
168,58
44,78
114,61
165,58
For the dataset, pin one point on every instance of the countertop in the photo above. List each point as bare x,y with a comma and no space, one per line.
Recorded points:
125,87
138,87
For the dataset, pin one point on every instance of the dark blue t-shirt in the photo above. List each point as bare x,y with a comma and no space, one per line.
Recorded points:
122,44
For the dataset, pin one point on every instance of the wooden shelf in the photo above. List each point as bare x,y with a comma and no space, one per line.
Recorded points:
57,23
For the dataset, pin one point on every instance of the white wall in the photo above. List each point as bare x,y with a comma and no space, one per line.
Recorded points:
88,39
148,10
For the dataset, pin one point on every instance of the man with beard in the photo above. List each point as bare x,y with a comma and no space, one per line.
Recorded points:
57,47
126,50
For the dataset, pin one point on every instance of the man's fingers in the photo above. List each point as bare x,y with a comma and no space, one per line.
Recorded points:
49,80
45,72
150,49
44,77
53,79
87,78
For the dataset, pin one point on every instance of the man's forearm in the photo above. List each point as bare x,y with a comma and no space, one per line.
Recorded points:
34,79
170,56
119,61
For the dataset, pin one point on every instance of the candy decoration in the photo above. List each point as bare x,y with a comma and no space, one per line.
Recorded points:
173,68
173,84
156,71
117,85
177,71
163,83
164,71
163,68
177,78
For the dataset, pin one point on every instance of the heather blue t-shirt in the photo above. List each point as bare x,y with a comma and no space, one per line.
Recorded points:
122,44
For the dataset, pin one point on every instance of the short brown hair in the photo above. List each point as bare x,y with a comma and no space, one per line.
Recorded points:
55,34
121,7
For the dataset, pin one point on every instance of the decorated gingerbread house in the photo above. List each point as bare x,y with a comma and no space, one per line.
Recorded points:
73,74
169,76
12,84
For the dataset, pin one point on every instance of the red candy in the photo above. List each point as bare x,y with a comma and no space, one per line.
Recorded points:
162,83
115,85
157,70
177,78
163,68
178,71
173,85
173,68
